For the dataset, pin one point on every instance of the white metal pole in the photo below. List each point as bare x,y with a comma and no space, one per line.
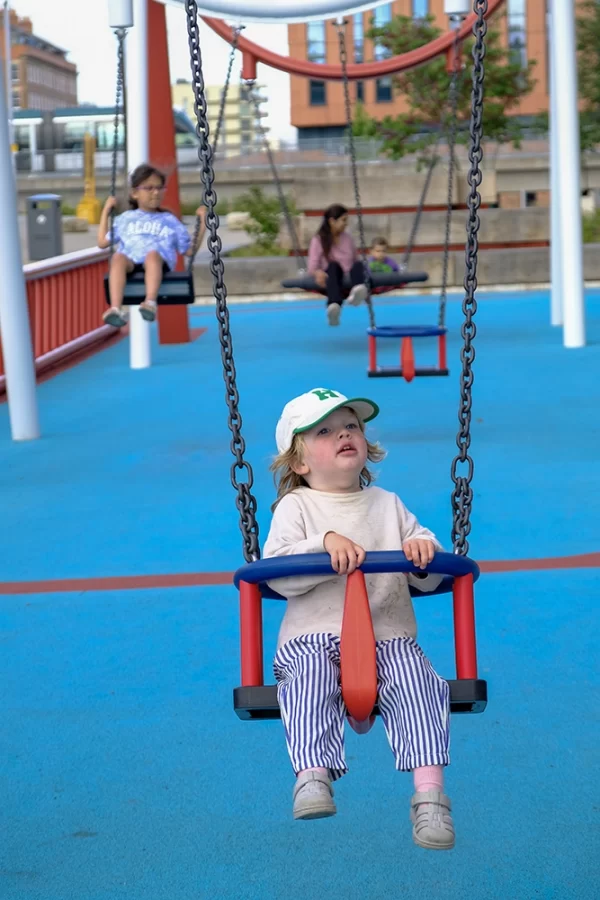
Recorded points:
33,149
14,313
567,126
556,314
138,151
8,68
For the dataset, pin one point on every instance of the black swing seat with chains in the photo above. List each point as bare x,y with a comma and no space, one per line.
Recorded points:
176,289
306,282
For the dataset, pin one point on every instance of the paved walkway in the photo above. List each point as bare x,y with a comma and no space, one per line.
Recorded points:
126,773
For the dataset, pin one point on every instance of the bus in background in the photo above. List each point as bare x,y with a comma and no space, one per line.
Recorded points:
53,141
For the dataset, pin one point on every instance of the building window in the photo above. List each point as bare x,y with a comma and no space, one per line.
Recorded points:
383,90
420,9
317,93
16,100
15,71
315,42
382,17
359,38
360,92
517,32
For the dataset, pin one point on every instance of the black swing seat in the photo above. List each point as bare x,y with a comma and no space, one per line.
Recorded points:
176,289
306,282
260,703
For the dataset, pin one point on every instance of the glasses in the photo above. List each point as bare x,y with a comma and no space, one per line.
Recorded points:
151,188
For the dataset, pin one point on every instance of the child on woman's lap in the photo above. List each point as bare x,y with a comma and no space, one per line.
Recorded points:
325,503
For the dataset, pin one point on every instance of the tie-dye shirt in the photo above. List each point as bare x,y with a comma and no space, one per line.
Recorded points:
137,233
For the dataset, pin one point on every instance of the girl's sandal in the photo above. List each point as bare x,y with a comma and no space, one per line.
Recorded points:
148,310
114,317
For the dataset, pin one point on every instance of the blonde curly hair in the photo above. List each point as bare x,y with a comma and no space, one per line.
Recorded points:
286,480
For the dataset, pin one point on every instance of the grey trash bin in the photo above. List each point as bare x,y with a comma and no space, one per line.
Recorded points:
44,226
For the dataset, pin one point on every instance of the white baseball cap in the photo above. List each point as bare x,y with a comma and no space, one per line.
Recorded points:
309,409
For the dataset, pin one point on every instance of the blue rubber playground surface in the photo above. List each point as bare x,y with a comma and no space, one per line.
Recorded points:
125,772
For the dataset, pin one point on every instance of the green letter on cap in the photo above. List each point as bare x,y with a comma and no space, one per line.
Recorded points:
325,395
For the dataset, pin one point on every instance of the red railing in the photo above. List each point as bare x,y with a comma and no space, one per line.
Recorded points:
65,296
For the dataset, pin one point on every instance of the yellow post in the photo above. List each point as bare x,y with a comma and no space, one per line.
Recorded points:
89,208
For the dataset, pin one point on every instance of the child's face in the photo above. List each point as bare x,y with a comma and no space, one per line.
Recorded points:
379,252
149,193
335,453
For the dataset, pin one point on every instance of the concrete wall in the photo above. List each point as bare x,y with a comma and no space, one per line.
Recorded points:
498,226
315,186
256,277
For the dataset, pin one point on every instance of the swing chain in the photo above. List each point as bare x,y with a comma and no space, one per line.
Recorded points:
121,34
462,495
245,501
198,224
415,226
221,118
343,51
250,87
454,93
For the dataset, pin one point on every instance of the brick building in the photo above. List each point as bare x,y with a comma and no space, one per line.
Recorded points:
317,107
42,78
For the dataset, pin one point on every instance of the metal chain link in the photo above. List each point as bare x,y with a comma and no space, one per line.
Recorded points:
221,118
341,30
454,92
250,85
245,501
462,495
198,224
121,34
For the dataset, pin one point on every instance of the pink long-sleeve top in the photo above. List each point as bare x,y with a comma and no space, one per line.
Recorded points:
343,252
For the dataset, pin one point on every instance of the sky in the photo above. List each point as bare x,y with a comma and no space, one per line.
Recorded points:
81,27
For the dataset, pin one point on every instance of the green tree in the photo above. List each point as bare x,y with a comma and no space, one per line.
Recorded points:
265,218
427,90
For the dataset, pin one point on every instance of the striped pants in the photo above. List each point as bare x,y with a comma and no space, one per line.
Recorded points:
414,703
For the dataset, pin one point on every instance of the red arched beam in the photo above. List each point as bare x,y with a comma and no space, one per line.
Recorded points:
254,53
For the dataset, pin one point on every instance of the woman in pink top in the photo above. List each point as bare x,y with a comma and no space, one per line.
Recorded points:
331,255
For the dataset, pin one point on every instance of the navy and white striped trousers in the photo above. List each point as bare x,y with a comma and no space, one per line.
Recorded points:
413,700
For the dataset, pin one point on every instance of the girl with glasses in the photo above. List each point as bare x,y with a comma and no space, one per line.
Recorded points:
146,238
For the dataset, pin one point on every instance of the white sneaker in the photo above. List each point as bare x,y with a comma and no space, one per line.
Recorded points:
433,828
358,295
313,796
334,311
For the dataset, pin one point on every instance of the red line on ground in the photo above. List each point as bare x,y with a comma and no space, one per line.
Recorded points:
580,561
207,579
116,583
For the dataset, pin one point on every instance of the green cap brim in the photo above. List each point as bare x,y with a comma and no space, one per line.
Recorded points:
351,403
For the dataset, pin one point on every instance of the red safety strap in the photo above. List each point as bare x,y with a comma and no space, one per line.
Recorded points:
357,651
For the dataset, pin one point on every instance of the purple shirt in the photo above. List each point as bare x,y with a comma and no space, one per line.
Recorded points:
343,252
386,261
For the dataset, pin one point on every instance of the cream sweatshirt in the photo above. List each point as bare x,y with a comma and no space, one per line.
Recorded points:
373,518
